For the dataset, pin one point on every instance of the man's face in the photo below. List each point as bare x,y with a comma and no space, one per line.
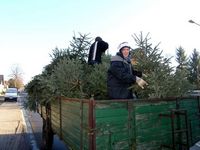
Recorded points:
125,51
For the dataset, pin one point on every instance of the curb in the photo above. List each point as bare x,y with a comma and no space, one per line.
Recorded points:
28,130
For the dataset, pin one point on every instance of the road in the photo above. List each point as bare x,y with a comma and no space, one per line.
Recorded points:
12,129
36,124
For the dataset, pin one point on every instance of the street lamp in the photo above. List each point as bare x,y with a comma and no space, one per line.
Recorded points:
191,21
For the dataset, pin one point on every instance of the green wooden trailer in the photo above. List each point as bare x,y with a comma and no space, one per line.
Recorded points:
171,123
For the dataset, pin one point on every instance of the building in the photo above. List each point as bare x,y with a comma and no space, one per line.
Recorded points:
1,84
2,79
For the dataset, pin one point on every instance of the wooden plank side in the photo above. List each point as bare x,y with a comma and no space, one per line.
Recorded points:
112,126
158,107
154,131
43,112
191,105
151,130
71,123
55,116
75,124
119,126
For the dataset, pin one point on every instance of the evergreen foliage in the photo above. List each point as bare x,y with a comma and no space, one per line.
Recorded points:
96,79
56,56
194,71
69,75
157,68
181,83
39,91
67,78
79,47
181,58
162,80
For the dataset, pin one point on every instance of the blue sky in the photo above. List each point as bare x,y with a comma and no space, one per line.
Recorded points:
30,29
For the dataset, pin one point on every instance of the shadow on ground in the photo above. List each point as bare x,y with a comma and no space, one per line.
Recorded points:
14,142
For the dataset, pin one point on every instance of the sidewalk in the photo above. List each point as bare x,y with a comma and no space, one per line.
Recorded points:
12,128
36,125
28,126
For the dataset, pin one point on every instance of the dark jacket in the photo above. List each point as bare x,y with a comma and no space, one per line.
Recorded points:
120,77
102,46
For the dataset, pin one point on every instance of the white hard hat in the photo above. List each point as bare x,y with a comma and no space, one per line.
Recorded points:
122,45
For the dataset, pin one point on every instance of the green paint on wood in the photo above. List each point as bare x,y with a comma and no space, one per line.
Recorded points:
125,125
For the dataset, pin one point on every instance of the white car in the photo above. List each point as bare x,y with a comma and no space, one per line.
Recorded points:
193,93
11,94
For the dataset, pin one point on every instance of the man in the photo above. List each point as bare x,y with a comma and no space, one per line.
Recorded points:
96,50
121,75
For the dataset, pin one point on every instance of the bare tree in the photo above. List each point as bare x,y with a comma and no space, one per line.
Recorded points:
16,77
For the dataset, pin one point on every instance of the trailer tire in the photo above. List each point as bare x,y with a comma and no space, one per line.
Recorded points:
47,135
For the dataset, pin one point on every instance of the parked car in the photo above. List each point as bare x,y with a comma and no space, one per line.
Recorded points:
194,93
11,94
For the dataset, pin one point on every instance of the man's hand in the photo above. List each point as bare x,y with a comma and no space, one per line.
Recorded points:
141,82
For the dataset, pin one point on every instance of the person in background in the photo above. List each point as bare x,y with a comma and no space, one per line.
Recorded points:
96,50
121,75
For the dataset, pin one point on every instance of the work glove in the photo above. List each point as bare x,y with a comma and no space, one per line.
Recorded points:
141,82
144,75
